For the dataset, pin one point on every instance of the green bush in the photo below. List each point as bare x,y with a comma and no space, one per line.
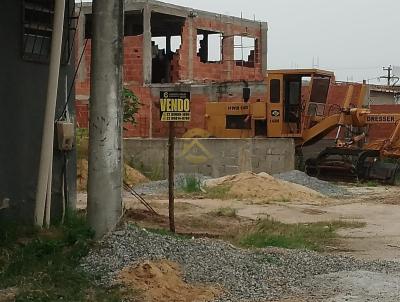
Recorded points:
43,265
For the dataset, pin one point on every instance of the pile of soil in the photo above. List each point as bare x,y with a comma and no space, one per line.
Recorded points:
131,176
162,281
263,188
8,295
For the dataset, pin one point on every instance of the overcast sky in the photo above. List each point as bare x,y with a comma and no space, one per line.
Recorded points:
354,38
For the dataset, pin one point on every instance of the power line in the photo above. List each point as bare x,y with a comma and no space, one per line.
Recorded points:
390,77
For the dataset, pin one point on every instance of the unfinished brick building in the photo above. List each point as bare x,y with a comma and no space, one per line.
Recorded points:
212,55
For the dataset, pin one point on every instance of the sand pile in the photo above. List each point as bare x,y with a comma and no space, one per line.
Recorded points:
131,176
263,188
162,281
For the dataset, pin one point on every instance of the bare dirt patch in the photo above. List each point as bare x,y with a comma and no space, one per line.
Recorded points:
8,295
162,281
195,225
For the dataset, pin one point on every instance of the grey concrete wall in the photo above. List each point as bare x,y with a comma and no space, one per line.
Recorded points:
212,157
22,96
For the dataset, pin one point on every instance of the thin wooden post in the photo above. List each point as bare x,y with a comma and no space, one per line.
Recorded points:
171,176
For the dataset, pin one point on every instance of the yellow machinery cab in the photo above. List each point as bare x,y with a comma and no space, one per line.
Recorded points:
284,112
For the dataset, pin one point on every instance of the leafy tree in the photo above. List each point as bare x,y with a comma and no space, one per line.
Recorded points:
131,106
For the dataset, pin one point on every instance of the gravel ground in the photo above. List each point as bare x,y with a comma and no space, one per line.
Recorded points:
161,187
316,184
298,177
262,275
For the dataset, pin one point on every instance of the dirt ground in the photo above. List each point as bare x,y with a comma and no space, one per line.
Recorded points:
162,281
378,207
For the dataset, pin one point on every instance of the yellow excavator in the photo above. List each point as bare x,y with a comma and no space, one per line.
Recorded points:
288,112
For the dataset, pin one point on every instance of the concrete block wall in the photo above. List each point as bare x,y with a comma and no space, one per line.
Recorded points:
212,157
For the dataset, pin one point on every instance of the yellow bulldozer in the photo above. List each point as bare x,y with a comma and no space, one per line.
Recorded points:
287,112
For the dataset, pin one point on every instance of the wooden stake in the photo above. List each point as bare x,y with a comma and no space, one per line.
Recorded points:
171,178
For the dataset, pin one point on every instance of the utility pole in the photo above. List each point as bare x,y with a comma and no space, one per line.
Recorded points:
105,129
389,76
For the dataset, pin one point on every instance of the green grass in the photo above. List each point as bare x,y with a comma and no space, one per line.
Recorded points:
219,192
191,184
225,212
82,142
43,265
314,236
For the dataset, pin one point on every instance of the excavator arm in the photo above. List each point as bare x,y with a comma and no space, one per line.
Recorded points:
346,159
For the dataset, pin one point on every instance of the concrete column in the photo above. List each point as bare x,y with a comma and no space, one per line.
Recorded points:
228,49
169,57
228,42
147,51
105,131
264,47
192,45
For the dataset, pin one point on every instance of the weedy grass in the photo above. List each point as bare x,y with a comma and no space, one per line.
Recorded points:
313,236
43,265
225,212
219,192
191,184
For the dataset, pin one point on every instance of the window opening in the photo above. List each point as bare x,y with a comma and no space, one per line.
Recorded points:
275,91
238,122
209,46
244,51
37,29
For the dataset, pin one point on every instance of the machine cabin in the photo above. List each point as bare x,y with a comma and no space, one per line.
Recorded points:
284,112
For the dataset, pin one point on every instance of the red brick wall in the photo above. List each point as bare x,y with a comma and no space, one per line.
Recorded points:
225,70
202,72
82,114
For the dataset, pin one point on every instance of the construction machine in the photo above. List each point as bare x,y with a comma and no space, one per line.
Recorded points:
291,111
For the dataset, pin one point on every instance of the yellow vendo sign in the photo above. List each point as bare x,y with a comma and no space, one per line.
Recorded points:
175,106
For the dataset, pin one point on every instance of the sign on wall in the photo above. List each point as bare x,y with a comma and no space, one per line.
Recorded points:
175,106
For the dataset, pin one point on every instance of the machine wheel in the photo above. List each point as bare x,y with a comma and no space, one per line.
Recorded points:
311,167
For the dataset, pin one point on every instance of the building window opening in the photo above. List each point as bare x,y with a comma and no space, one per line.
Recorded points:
163,50
166,32
245,51
209,46
235,122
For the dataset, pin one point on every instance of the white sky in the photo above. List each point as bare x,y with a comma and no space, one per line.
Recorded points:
354,38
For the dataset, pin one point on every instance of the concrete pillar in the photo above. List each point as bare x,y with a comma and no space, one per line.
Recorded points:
192,44
105,131
228,42
147,51
264,47
169,57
